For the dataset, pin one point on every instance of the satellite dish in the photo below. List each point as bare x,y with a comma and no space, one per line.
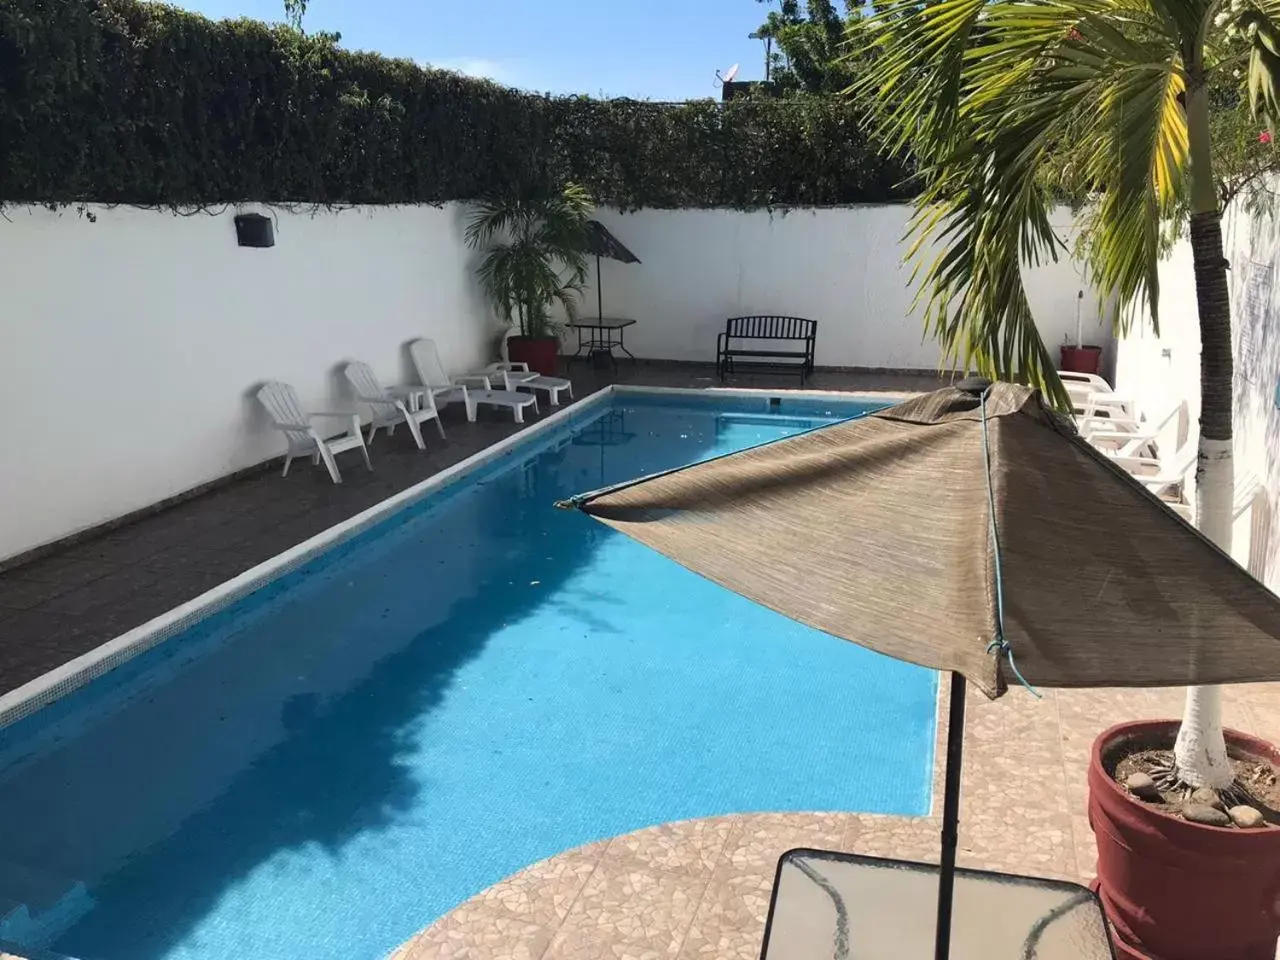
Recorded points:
728,75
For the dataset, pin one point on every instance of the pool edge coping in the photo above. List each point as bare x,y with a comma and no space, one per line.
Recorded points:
48,687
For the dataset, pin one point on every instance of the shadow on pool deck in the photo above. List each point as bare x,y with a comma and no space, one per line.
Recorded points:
82,594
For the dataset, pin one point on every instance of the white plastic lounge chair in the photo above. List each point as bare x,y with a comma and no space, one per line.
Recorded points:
513,400
391,405
476,388
1121,437
518,376
281,403
1090,380
1158,477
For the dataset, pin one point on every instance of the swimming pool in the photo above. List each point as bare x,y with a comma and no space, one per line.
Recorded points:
481,682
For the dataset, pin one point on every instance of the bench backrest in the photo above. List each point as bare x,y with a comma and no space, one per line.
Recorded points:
771,328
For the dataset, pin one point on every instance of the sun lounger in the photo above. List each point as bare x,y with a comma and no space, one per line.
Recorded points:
518,376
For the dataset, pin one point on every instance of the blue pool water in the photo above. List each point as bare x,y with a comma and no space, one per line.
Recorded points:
484,681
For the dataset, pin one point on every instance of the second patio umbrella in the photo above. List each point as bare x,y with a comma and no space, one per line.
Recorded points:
602,243
968,530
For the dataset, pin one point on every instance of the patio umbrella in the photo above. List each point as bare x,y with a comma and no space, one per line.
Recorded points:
968,530
602,243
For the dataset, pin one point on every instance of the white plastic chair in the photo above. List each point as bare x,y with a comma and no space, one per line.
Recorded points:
516,376
431,375
281,403
389,406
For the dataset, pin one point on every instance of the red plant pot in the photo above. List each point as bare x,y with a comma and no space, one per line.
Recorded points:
540,353
1081,359
1175,890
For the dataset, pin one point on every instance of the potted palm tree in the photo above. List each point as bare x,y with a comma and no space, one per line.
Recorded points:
534,245
1005,107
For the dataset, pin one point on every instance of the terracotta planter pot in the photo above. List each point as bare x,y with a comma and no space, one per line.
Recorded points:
1175,890
1081,359
539,353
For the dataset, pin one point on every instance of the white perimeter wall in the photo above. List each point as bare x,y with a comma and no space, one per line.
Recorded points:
132,345
840,267
1160,371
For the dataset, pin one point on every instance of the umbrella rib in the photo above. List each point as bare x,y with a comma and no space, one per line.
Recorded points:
1001,642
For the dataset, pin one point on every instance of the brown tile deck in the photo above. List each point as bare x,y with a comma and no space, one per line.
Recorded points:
699,890
66,603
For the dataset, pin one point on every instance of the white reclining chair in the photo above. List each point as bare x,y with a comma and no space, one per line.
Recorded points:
390,406
281,403
1122,437
476,388
518,376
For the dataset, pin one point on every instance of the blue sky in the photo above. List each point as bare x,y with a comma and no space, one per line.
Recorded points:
658,49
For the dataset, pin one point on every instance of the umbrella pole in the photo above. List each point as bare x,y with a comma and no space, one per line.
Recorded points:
599,292
950,818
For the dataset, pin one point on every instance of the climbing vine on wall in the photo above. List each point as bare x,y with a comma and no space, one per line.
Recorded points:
117,101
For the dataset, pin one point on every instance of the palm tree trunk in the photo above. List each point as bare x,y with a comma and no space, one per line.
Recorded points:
1200,750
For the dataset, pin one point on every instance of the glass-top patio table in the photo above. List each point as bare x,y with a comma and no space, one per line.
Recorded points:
597,336
841,906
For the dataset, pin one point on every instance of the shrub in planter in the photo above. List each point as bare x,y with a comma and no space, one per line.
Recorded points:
534,245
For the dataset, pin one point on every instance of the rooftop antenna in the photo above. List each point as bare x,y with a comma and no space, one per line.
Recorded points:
728,76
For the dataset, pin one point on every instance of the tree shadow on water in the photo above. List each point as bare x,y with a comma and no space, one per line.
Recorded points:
335,763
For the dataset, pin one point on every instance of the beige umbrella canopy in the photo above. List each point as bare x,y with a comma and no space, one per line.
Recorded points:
879,530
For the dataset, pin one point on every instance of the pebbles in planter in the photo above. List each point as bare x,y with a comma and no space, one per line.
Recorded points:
1203,813
1246,817
1208,797
1142,787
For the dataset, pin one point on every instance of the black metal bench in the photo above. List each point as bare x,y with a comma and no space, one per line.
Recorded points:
743,345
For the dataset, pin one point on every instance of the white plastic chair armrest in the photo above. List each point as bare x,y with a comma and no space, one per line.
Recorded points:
483,379
1123,436
406,391
513,367
1149,463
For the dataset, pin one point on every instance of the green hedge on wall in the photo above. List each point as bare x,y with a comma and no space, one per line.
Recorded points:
123,102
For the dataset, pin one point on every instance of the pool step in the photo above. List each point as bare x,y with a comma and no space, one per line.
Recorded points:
37,907
725,420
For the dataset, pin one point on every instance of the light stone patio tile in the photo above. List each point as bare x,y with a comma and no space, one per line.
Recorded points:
902,838
729,924
629,914
690,847
480,931
544,893
759,839
1086,849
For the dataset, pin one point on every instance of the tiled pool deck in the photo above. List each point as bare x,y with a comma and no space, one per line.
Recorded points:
698,889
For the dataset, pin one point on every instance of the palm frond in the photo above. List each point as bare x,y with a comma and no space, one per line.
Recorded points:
1103,77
